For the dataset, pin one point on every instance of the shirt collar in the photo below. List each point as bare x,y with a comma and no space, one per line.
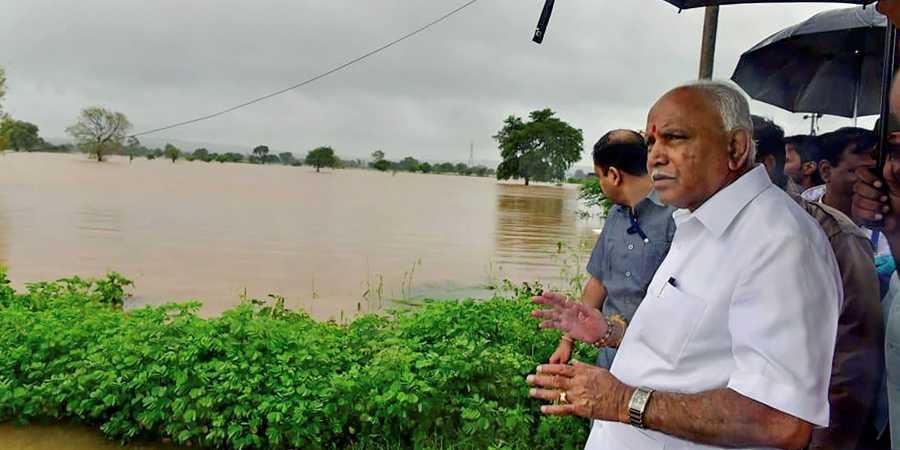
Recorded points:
720,210
645,204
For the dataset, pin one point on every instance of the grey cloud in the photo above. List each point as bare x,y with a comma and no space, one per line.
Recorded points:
602,65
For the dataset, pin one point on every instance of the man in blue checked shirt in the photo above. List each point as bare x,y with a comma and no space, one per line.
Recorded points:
635,237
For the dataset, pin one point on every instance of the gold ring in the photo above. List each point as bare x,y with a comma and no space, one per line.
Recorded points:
562,398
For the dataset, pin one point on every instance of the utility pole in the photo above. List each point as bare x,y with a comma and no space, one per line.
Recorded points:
471,154
708,47
813,123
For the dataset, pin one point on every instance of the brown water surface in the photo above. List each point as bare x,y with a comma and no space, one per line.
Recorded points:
210,231
66,437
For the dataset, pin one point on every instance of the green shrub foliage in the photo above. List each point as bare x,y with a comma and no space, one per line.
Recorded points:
447,375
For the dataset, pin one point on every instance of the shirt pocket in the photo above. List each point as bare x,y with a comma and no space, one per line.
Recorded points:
668,321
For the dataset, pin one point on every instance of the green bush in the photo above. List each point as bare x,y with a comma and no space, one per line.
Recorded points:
447,375
592,195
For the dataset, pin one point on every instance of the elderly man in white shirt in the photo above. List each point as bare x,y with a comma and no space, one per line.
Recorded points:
732,346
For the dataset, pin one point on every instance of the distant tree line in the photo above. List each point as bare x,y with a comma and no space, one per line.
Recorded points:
101,132
410,164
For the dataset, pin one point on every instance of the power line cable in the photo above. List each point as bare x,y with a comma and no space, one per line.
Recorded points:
317,77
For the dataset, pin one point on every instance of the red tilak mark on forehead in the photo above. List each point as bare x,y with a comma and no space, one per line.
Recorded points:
653,129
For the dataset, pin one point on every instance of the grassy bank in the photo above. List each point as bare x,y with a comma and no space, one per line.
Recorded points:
447,375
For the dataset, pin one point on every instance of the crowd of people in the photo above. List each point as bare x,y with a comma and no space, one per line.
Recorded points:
736,295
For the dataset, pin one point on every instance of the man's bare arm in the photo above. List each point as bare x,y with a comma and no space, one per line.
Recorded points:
720,417
594,293
725,418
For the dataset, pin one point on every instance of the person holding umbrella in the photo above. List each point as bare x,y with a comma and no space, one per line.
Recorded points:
878,199
714,356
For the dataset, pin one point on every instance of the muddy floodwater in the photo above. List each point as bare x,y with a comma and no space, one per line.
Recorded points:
325,241
333,242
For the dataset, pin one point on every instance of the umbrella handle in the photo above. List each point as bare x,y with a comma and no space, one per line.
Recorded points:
887,76
887,73
541,29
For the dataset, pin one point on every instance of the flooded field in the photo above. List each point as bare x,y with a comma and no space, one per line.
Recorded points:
326,241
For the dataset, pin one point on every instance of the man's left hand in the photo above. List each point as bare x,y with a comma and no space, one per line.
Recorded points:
576,319
590,392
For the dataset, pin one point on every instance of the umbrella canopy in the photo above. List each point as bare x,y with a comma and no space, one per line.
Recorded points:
687,4
829,64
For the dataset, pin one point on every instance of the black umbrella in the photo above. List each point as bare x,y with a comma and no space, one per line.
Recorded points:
687,4
889,50
831,63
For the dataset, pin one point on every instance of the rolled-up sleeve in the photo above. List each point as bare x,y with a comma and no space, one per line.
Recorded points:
783,321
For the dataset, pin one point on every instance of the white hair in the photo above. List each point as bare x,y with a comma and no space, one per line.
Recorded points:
732,105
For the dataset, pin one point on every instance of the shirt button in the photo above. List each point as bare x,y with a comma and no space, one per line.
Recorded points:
628,274
630,246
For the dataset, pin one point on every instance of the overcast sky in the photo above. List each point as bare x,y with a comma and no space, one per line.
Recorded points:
601,66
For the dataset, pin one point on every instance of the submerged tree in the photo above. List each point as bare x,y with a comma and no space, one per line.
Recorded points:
321,157
541,149
172,152
260,152
2,91
202,154
18,135
100,131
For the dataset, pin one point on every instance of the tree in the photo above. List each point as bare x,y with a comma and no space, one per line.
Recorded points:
321,157
132,144
354,163
425,167
172,152
202,154
408,164
480,171
286,158
377,155
19,135
2,91
461,168
99,131
382,165
541,149
444,167
233,157
260,152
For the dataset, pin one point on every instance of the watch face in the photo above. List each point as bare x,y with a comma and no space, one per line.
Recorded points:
639,400
637,405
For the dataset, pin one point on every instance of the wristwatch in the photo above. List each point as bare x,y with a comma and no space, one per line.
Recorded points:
637,405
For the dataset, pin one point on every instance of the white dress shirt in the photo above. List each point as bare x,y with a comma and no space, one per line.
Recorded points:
752,306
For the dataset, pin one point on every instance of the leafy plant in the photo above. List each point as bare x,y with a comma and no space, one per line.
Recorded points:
592,195
447,375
